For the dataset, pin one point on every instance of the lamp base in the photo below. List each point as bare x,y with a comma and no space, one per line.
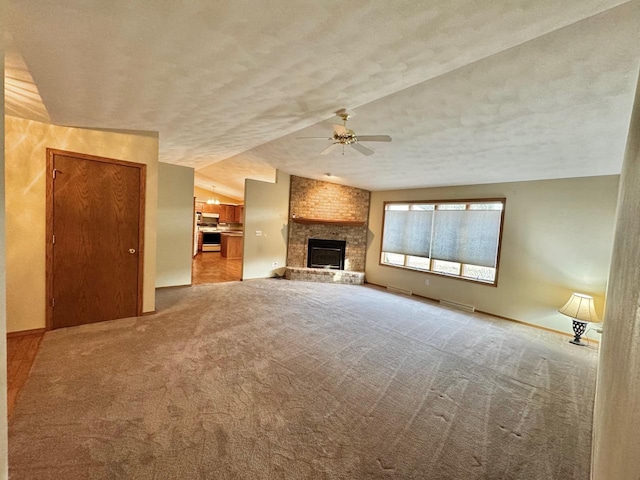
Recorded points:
578,329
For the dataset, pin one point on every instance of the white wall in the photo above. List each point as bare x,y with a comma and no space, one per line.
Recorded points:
266,209
616,418
26,143
174,225
3,319
557,238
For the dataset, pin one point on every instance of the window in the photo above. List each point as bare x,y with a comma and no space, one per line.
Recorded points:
452,238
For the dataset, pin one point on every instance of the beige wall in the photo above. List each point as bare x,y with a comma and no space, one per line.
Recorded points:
203,195
4,473
266,210
174,225
616,417
25,144
557,238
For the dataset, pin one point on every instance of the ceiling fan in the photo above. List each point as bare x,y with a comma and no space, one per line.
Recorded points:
343,136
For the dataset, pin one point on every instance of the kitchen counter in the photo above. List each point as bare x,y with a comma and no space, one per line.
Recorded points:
231,245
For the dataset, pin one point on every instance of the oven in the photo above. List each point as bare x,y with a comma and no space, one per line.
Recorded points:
210,241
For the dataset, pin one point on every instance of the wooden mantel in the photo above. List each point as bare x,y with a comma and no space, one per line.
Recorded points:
328,221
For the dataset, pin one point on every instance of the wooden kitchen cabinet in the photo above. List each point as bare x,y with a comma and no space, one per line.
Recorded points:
199,241
238,213
231,246
211,208
226,213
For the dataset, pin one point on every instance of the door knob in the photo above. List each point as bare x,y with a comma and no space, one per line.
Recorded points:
132,250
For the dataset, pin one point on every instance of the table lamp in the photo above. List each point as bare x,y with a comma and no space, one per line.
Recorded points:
580,308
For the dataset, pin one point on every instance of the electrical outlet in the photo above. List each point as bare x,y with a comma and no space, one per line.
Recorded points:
274,264
426,281
258,233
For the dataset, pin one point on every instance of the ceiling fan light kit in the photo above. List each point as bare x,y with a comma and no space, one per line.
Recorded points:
342,136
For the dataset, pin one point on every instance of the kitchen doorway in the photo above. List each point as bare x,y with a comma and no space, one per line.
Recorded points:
212,267
95,238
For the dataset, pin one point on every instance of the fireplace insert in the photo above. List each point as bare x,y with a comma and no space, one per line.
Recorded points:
326,253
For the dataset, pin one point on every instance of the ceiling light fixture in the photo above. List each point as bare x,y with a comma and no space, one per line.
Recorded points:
213,200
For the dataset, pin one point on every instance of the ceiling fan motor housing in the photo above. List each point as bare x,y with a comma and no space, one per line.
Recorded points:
346,138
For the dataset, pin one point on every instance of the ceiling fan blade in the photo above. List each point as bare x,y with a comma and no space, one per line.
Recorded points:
329,148
317,138
362,149
339,129
374,138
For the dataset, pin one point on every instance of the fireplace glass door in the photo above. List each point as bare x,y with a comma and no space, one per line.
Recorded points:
326,253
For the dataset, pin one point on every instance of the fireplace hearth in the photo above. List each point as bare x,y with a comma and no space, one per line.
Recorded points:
327,254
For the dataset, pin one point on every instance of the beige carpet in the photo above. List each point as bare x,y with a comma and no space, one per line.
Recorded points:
271,379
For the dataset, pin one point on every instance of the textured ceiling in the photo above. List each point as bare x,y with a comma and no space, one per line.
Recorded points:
21,96
471,92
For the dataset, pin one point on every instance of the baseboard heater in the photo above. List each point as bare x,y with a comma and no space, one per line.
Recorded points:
393,289
458,306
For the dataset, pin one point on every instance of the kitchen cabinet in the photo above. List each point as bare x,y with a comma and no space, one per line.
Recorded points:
211,208
199,241
226,213
238,213
231,245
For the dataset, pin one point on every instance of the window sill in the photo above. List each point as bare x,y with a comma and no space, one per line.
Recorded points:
446,275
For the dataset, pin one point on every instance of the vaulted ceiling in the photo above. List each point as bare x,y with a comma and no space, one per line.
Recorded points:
471,92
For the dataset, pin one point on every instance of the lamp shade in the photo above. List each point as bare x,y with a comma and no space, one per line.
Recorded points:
580,307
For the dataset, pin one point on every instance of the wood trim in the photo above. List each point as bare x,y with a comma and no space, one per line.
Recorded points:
532,325
48,240
438,274
144,314
322,221
94,158
503,200
499,253
539,327
193,238
24,333
141,224
465,200
51,153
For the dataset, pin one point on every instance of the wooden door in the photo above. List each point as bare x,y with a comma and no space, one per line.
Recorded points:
95,226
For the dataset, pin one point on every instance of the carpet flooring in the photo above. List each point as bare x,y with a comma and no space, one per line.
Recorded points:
273,379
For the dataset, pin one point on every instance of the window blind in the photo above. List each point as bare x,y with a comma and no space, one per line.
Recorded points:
407,232
467,236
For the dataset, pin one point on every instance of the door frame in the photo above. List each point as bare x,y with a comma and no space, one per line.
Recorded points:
51,152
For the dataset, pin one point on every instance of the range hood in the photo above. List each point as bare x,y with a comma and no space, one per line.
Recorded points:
211,215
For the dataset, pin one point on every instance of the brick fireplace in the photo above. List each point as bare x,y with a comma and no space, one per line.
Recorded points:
327,212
